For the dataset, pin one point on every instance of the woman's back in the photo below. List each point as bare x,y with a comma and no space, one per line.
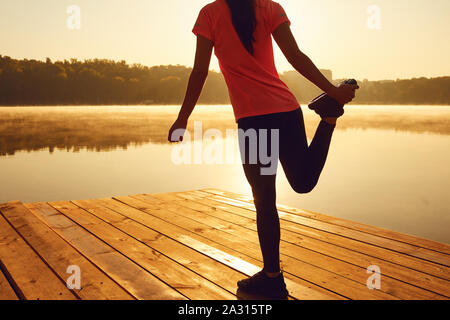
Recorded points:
253,82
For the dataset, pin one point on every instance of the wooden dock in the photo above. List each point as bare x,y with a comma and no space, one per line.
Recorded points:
196,245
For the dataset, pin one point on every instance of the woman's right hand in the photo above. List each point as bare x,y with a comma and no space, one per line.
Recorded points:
344,93
177,131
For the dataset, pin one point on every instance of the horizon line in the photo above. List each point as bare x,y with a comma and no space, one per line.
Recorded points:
190,67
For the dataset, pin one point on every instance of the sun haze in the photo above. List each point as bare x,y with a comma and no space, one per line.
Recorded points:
381,39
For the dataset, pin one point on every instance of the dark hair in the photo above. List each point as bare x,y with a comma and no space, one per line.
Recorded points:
244,21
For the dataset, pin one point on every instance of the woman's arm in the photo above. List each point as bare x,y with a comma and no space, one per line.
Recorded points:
196,83
286,41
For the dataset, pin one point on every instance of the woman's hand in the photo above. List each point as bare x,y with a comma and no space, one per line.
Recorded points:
344,93
177,130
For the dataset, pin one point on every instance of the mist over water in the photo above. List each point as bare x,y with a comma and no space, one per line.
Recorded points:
388,165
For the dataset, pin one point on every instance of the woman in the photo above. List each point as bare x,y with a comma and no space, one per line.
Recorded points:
241,32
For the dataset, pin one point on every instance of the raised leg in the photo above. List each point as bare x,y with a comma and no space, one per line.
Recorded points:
304,164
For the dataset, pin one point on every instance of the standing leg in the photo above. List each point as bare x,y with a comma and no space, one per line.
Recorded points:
264,191
268,282
303,165
267,220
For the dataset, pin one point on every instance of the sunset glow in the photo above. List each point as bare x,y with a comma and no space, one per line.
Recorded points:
336,35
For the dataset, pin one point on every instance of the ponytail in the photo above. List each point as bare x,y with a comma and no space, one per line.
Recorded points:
244,21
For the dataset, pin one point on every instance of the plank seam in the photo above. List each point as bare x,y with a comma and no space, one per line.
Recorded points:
211,241
131,236
232,249
208,191
297,276
379,246
419,260
119,252
74,248
326,255
17,291
40,257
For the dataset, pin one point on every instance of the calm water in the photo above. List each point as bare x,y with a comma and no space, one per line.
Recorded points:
388,166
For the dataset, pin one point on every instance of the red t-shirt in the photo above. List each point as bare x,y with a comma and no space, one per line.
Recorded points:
253,82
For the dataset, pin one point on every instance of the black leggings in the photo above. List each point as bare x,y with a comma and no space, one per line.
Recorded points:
302,165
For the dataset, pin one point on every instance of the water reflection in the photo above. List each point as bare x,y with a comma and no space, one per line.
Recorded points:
109,128
395,180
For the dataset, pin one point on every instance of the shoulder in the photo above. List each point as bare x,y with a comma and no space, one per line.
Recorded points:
213,11
210,11
210,7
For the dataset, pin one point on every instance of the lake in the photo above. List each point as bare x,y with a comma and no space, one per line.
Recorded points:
389,166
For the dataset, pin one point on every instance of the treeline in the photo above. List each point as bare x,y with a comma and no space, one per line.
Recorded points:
94,82
104,82
421,91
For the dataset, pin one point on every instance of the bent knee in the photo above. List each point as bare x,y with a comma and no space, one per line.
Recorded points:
304,188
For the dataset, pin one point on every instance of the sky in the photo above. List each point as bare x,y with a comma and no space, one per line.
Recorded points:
374,40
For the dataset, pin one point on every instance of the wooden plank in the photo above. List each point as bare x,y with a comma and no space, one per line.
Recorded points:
59,255
34,278
300,248
137,281
394,245
6,291
175,275
214,265
247,219
317,276
212,234
298,290
175,250
355,245
344,270
234,262
389,234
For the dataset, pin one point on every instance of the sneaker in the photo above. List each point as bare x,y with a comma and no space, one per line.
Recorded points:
261,284
327,107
